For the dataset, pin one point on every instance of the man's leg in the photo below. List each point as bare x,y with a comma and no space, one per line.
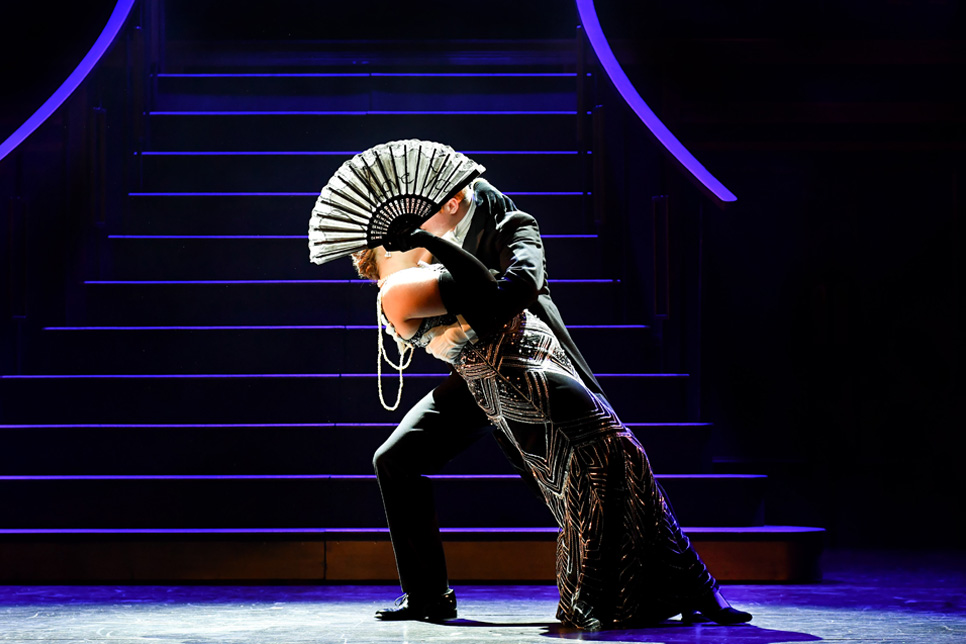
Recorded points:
440,426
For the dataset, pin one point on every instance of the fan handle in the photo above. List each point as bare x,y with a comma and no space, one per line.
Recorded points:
397,234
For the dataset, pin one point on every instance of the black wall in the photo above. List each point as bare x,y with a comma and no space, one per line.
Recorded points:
40,45
831,294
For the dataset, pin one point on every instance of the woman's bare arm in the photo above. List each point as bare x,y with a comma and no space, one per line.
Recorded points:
410,295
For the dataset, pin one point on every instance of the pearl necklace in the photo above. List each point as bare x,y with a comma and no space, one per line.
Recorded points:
381,355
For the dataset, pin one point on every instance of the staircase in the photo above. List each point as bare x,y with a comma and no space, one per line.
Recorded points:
206,408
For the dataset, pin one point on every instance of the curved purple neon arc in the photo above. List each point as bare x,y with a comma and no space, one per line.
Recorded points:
588,18
101,45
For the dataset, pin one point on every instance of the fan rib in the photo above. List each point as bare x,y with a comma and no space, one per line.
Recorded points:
368,198
369,192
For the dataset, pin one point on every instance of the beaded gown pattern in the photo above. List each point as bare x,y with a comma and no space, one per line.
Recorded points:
621,556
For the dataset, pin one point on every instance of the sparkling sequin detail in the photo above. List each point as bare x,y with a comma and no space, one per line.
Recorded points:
621,556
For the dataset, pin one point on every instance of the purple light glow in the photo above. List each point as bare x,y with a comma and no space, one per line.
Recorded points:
171,376
607,326
224,282
215,376
103,42
223,194
230,153
242,477
316,194
207,236
477,75
767,529
588,18
280,75
25,531
188,153
218,376
292,327
280,327
546,194
217,282
728,477
164,477
568,152
642,375
366,113
191,425
379,75
668,424
318,477
199,376
299,237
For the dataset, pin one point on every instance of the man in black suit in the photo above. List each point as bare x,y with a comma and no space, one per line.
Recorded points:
447,420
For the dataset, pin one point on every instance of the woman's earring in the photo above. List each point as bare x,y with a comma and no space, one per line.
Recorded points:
388,254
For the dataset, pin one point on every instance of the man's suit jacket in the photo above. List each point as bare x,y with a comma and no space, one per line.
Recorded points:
508,241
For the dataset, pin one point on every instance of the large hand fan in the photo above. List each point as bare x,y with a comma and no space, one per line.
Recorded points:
380,193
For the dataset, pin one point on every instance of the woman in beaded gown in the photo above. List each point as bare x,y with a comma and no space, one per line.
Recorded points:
622,559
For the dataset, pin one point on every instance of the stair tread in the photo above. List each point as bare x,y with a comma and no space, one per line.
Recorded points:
539,530
229,256
248,213
313,130
359,477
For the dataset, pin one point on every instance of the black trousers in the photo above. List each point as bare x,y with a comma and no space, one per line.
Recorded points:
439,427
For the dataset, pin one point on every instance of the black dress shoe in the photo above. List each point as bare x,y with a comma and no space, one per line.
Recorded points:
715,608
435,608
727,616
691,616
716,614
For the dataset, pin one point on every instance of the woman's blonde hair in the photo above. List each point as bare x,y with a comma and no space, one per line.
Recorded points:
365,264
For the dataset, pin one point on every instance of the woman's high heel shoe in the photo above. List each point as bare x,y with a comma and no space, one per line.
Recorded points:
584,618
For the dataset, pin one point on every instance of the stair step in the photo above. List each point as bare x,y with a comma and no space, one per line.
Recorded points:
366,56
759,554
216,171
275,302
278,349
318,27
275,448
360,91
310,131
290,501
187,257
251,213
273,398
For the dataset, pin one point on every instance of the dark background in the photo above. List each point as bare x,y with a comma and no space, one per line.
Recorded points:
831,325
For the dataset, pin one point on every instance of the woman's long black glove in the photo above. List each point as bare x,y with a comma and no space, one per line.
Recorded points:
479,292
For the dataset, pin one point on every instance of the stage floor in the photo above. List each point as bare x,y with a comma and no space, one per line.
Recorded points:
865,597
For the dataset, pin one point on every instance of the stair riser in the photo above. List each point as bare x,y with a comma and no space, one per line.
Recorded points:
293,303
500,558
337,350
361,93
266,258
307,173
169,450
289,215
364,32
273,399
330,503
346,132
